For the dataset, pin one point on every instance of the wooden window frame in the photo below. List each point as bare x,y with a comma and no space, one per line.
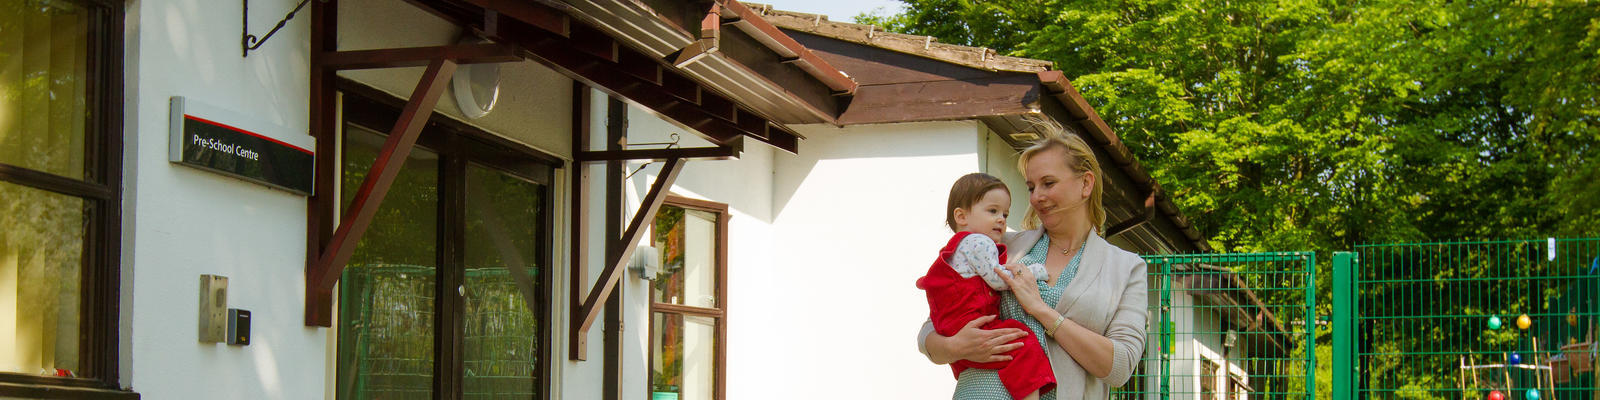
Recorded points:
101,191
457,145
720,313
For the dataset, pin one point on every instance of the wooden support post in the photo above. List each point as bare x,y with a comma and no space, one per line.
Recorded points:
611,383
579,186
323,112
611,338
402,139
612,274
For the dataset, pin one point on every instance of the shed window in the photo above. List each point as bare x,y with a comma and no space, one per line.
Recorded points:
688,305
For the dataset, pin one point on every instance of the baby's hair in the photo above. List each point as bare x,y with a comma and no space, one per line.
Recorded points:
967,191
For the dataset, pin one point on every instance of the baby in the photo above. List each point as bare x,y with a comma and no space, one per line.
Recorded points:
962,283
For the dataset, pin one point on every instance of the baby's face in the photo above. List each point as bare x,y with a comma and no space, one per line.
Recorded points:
988,215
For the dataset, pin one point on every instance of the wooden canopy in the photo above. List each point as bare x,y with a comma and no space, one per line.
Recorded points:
725,84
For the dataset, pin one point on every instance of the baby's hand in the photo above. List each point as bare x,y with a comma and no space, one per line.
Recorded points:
1023,273
1038,271
1009,269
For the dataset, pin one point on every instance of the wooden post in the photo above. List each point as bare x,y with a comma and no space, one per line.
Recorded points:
402,139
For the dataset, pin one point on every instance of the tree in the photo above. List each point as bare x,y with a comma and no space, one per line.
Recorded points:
1318,125
1306,125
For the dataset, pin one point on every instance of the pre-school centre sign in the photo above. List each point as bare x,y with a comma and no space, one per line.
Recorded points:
212,139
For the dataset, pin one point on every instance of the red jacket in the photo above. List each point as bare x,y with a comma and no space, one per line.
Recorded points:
953,301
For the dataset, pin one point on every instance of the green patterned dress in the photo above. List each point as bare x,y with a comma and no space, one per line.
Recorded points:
984,384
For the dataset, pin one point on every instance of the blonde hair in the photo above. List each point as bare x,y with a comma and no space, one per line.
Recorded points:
1080,159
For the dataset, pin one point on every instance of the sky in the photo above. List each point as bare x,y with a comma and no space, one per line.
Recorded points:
836,10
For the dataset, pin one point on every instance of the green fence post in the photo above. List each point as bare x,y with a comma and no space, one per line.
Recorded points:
1344,325
1309,268
1165,308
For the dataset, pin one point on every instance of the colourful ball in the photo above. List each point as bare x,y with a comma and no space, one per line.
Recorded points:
1496,395
1523,322
1494,322
1533,394
1514,359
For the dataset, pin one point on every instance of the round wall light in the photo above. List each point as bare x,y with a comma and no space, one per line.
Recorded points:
477,86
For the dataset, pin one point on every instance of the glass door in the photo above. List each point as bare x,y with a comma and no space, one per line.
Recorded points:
445,296
386,304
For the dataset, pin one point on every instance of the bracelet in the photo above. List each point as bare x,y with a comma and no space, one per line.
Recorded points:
1057,324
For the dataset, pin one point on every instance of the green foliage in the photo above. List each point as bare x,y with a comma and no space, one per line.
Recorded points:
1315,125
1294,125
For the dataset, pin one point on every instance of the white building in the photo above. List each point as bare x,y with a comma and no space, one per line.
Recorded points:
806,196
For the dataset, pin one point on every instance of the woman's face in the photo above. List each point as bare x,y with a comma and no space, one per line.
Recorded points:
1056,193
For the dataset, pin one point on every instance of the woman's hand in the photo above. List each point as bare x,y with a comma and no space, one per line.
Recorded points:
1022,285
973,343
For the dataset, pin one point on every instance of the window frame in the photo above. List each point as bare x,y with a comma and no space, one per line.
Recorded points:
720,313
459,145
101,191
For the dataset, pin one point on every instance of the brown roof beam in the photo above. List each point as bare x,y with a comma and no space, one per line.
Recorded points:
752,123
687,90
719,106
724,152
646,69
550,16
419,56
751,23
595,43
1137,219
608,76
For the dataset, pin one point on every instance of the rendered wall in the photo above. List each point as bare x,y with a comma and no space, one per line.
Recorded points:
858,217
1000,160
182,222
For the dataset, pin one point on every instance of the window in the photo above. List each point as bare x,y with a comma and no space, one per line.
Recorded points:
446,296
60,174
1210,379
688,301
1239,385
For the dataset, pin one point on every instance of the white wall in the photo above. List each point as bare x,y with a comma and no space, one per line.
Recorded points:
858,217
182,222
1000,160
793,320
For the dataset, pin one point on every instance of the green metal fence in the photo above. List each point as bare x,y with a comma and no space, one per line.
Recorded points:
1468,320
1228,326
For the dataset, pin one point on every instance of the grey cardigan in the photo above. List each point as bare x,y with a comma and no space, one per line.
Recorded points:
1108,297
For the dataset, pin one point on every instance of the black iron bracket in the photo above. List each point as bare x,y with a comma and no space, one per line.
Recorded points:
250,42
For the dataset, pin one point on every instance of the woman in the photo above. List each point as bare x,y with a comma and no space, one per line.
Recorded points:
1091,313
